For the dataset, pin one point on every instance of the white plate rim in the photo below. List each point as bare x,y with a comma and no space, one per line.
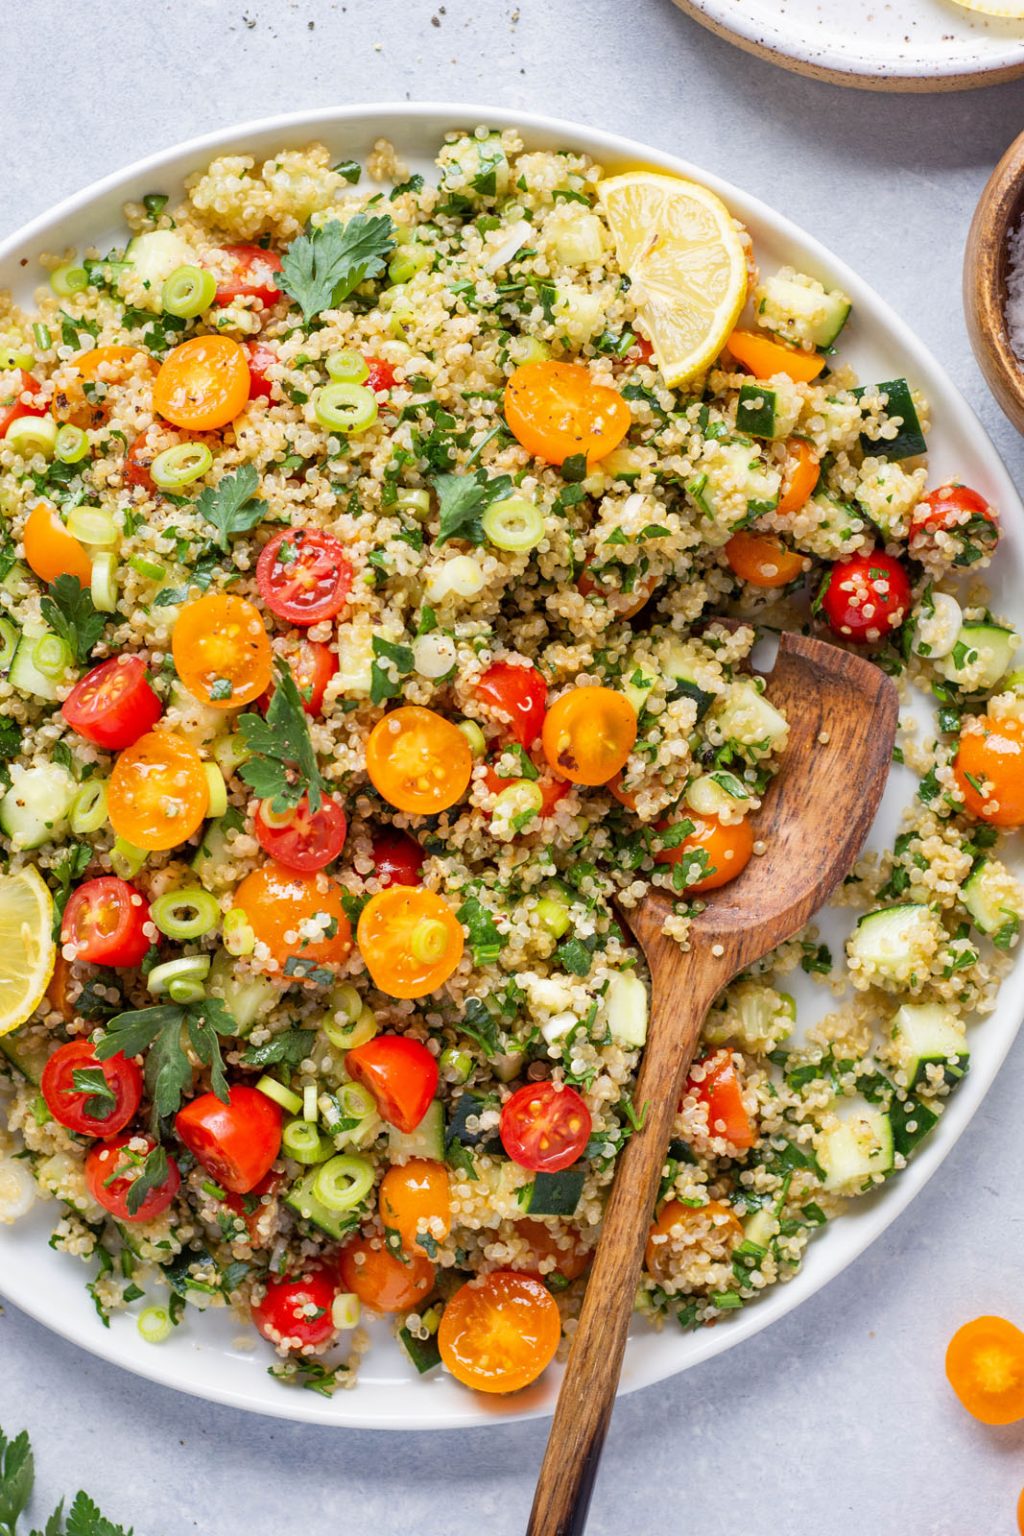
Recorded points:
160,1364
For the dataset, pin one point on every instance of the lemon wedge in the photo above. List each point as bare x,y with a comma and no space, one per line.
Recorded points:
1010,10
27,949
687,268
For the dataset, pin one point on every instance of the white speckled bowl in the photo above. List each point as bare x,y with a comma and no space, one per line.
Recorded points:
878,45
202,1356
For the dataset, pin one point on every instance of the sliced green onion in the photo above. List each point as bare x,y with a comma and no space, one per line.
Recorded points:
72,444
346,408
356,1102
146,568
154,1324
9,636
409,260
475,736
456,1065
415,501
30,435
346,1310
527,349
188,292
41,336
347,367
515,524
103,583
237,933
185,914
15,357
180,465
304,1142
125,859
520,798
276,820
89,808
92,525
183,990
429,940
344,1182
280,1094
68,280
52,656
188,972
554,915
346,1036
309,1097
218,790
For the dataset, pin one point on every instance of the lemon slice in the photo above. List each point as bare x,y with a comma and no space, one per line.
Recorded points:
1012,10
27,950
687,267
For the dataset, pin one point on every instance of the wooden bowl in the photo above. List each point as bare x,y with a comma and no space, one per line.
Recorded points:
986,275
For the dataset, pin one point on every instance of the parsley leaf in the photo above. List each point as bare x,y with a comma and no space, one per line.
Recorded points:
69,611
10,739
231,506
480,1025
102,1100
279,743
155,1172
16,1477
384,683
485,938
71,865
84,1519
157,1031
321,269
287,1049
463,499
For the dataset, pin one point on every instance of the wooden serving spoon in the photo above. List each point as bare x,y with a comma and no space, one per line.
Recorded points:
842,714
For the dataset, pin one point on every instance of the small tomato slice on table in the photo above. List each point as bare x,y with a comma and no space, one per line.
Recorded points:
545,1127
13,407
113,705
50,550
158,793
113,1166
410,940
104,921
589,734
866,597
296,1313
85,1107
985,1368
203,383
679,1226
763,560
500,1331
251,274
222,650
237,1142
716,1084
400,1073
956,522
415,1198
285,908
304,575
989,770
397,857
519,694
307,840
556,410
715,851
418,761
383,1282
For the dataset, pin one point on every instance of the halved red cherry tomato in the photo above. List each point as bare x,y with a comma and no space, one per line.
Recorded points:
310,840
959,512
985,1368
589,734
552,790
237,1142
138,461
717,1085
381,375
252,1209
397,857
382,1281
304,575
410,940
113,705
82,1109
279,903
261,357
989,769
253,273
312,665
866,597
11,407
500,1331
519,694
296,1313
105,921
400,1073
112,1168
727,847
545,1127
556,410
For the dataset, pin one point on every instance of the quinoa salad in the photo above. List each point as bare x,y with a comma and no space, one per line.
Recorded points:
381,559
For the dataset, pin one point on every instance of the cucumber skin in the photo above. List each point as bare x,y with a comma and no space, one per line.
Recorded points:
555,1194
910,440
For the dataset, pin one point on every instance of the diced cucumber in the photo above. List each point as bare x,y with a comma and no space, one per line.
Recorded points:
937,622
625,1004
734,469
993,898
678,666
17,580
35,808
911,1121
927,1034
711,794
213,856
764,411
246,996
857,1149
25,676
800,308
637,681
554,1194
909,440
895,944
760,1227
622,464
475,166
980,656
427,1140
28,1050
749,720
425,1354
9,638
301,1199
157,253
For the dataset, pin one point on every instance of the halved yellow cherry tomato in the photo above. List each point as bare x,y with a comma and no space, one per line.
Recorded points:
556,410
763,560
800,478
410,939
414,1198
989,769
728,847
203,383
985,1367
679,1226
50,550
588,734
300,918
418,760
222,650
500,1331
766,358
384,1281
158,793
117,364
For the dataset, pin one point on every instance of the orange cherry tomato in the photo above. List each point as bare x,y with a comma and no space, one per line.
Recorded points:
50,550
158,795
418,760
499,1331
58,993
624,605
410,939
279,901
413,1199
222,650
589,734
718,1087
203,383
801,476
989,770
764,358
985,1367
383,1282
763,560
556,410
570,1261
116,365
679,1226
727,849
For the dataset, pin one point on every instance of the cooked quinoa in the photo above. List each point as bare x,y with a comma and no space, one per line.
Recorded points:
505,262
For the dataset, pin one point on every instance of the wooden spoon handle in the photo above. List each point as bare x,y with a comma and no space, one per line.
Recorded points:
587,1394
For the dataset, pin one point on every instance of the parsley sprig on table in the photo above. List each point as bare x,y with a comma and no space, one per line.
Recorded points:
231,505
70,613
283,764
322,268
17,1476
158,1031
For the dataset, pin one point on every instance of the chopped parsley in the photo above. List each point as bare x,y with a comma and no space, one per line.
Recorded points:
322,268
231,505
157,1032
283,764
69,611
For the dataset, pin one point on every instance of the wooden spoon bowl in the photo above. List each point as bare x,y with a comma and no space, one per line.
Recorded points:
986,277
